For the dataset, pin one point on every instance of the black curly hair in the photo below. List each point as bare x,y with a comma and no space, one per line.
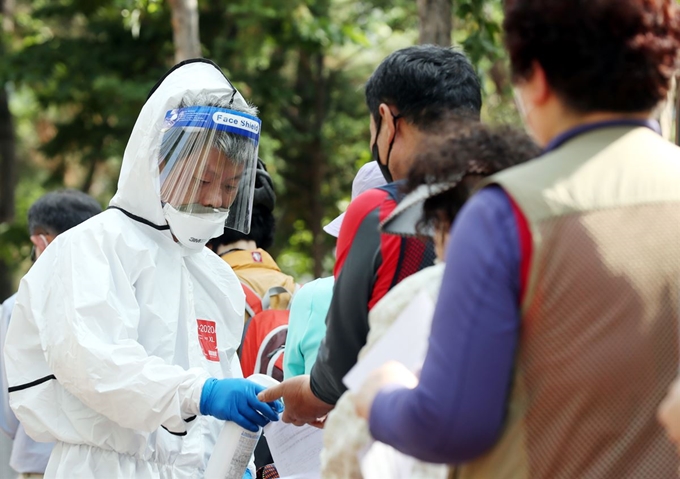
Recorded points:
598,55
473,152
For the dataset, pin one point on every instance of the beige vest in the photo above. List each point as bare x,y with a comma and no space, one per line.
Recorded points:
600,317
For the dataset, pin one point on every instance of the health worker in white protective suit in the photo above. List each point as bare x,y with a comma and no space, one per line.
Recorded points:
125,327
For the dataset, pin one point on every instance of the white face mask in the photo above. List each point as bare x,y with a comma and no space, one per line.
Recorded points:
193,231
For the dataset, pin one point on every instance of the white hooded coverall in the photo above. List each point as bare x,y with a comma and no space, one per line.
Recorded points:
114,330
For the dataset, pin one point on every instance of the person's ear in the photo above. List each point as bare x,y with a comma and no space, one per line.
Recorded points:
40,242
537,89
388,125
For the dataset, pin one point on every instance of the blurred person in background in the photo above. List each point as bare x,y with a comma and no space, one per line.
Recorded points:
122,344
307,324
442,178
50,216
408,96
557,321
247,253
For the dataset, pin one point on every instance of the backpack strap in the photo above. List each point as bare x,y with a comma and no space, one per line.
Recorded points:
264,343
275,366
253,306
273,291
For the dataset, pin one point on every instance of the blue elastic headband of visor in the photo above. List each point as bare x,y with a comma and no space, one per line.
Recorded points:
213,118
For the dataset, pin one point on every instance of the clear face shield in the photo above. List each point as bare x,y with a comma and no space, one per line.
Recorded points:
207,164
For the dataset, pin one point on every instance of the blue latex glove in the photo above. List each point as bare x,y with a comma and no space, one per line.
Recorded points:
236,400
247,474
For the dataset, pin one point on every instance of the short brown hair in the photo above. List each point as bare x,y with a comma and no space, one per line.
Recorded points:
598,55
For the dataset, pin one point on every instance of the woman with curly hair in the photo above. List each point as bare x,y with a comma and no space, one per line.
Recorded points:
555,333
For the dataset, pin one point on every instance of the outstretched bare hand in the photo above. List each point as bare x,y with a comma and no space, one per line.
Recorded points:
301,406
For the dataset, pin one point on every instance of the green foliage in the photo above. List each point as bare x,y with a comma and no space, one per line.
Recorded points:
80,78
80,70
88,75
480,22
313,52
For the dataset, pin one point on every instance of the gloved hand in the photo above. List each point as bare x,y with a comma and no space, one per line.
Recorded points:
247,474
236,400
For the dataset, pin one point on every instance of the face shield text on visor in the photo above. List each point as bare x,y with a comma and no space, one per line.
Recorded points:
207,164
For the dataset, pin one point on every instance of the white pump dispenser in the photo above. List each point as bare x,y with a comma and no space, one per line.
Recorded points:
235,445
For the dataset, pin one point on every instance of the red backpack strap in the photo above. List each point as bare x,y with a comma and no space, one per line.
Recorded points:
253,307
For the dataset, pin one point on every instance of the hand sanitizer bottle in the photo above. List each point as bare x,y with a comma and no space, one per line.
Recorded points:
235,445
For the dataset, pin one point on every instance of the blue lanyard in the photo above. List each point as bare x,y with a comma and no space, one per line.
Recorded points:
562,138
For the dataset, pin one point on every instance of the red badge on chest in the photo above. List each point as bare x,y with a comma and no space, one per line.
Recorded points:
207,336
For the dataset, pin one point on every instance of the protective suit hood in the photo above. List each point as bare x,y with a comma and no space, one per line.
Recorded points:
139,184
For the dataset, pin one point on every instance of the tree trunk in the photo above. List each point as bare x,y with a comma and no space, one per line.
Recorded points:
7,157
185,29
435,22
7,160
319,162
310,119
7,184
89,176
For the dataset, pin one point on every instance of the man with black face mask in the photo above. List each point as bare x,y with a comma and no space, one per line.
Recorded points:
409,96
